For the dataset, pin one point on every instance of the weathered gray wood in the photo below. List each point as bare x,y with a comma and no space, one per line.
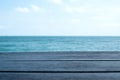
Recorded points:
59,65
61,56
59,76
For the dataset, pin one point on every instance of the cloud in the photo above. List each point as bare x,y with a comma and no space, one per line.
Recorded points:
70,21
109,25
83,9
32,8
77,9
74,0
35,8
91,9
22,10
105,14
95,13
58,2
75,21
65,21
100,17
52,21
69,9
107,28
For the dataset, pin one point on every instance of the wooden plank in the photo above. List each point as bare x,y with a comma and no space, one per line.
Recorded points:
59,76
61,56
72,66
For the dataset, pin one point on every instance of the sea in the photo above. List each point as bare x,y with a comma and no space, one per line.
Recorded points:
58,43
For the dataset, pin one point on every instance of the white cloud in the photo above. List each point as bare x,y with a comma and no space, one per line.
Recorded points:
74,0
108,25
58,2
100,17
77,9
23,10
107,28
105,14
75,21
103,29
105,11
70,21
69,9
93,9
35,8
65,21
32,8
80,9
52,21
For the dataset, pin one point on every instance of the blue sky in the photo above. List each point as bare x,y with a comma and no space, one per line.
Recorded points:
60,17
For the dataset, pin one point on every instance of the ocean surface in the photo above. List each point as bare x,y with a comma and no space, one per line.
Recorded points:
55,43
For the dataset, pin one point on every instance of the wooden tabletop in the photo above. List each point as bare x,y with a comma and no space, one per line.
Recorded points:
60,65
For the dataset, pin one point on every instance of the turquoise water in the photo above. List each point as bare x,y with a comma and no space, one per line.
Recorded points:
39,44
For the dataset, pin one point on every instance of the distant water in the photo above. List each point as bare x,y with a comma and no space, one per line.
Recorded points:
39,44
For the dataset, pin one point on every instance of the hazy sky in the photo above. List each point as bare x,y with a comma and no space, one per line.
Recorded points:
60,17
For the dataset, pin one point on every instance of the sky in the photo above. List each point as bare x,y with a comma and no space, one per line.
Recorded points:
59,17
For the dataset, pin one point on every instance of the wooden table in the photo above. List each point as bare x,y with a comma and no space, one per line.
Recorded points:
60,65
